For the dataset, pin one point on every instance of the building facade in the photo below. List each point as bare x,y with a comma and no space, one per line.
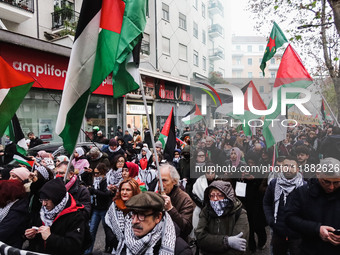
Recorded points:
182,41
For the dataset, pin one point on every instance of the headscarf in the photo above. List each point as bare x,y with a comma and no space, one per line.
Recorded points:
80,151
238,153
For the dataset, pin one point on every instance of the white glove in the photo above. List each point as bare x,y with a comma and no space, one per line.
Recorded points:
237,243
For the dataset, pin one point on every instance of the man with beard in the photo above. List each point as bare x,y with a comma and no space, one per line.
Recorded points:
150,230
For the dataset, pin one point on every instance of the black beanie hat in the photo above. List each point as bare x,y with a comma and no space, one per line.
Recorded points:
54,190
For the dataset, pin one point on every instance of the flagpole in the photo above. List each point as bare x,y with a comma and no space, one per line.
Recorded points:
151,133
336,120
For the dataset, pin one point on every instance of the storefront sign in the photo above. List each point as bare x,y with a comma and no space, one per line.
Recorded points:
176,92
137,109
48,69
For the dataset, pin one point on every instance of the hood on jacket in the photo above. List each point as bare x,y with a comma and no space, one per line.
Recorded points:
226,188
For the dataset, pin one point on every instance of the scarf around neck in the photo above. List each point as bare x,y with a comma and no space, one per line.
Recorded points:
114,176
164,230
115,219
5,210
285,186
47,217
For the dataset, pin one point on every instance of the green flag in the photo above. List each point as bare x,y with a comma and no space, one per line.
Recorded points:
276,40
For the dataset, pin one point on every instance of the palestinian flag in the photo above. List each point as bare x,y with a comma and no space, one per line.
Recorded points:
291,73
15,134
23,160
107,32
193,116
276,40
257,103
168,136
13,89
323,113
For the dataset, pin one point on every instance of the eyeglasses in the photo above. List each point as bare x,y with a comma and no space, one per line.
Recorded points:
140,216
60,172
95,173
43,200
213,195
201,155
121,161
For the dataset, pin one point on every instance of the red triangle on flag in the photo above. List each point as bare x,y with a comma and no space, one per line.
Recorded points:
167,124
197,111
257,100
9,77
291,69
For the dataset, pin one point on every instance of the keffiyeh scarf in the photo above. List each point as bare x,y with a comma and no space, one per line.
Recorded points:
164,230
219,206
285,186
115,219
47,217
43,171
4,211
114,176
96,182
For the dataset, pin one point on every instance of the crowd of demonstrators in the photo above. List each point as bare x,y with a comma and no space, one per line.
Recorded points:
212,212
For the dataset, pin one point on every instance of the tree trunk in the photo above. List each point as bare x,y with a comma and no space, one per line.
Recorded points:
335,5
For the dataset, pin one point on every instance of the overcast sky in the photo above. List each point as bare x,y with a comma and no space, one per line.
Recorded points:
241,24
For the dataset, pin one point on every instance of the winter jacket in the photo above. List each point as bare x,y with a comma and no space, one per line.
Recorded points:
102,197
110,154
309,208
12,227
212,229
330,147
280,228
82,196
87,177
67,232
182,211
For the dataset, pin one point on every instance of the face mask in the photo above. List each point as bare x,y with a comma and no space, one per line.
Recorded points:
219,206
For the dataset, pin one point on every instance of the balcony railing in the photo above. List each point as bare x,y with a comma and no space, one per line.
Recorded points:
216,54
216,30
64,17
215,7
27,5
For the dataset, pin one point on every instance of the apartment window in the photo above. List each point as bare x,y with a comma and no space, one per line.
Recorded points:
204,38
238,61
272,61
183,52
261,48
145,47
196,4
166,45
250,74
195,30
204,61
182,21
238,47
195,58
250,61
272,74
203,10
165,10
261,89
250,48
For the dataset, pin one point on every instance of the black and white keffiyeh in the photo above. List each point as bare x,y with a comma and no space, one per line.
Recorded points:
96,182
43,171
4,211
115,219
219,206
114,176
48,216
164,230
285,186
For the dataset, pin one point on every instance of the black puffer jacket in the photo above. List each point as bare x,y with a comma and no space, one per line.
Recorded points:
309,208
102,197
81,194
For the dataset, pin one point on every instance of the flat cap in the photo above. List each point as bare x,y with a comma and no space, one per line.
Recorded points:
146,201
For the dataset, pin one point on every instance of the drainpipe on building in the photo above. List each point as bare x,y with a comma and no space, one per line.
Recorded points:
37,13
156,35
